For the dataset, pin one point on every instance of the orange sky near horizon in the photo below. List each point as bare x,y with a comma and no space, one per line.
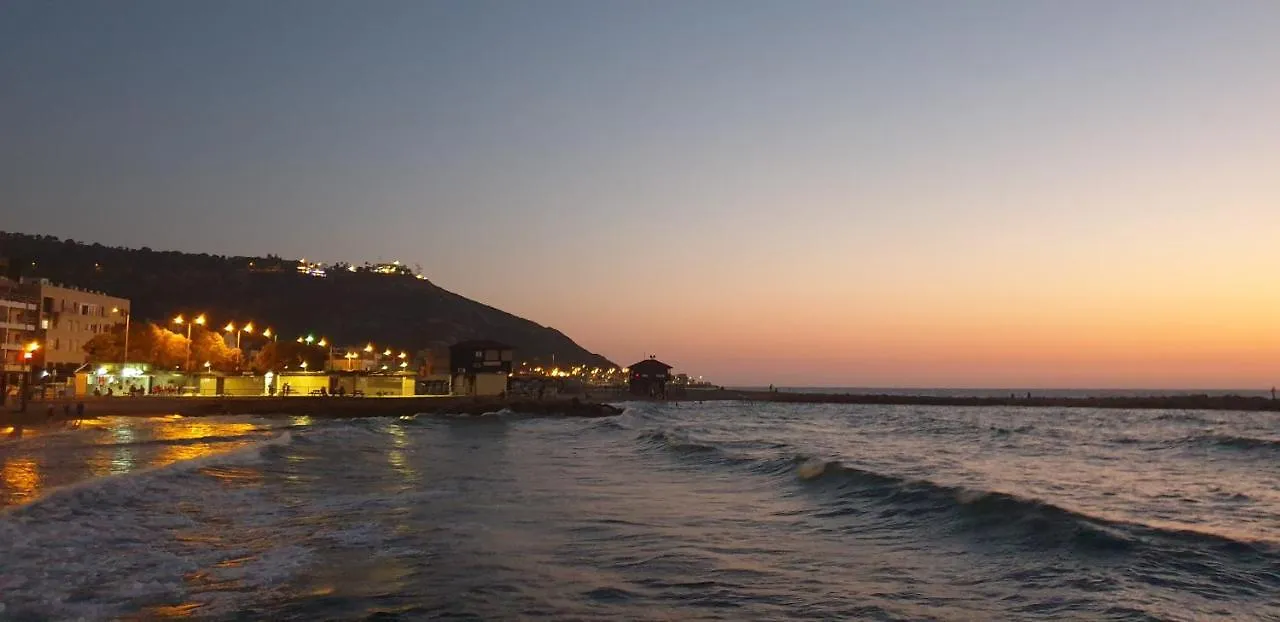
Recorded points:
968,194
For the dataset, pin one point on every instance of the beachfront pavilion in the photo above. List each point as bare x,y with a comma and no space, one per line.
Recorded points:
480,367
649,378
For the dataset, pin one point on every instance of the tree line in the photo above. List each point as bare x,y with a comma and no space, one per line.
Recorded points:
162,348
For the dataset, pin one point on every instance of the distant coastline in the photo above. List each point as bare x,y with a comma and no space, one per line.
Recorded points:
1179,401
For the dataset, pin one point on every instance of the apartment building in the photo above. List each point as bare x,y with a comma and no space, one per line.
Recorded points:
68,318
19,317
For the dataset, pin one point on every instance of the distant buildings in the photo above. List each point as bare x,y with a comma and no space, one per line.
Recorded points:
649,378
68,318
311,268
480,367
19,317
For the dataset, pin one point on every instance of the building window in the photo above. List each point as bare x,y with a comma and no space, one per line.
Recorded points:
506,355
48,304
57,344
44,324
490,355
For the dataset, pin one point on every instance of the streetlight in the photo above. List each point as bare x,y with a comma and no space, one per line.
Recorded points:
231,328
27,356
268,334
125,312
179,321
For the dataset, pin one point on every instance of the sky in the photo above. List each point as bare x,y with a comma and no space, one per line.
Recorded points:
819,193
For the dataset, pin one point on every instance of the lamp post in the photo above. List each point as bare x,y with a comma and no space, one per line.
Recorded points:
328,352
124,357
179,320
27,357
231,328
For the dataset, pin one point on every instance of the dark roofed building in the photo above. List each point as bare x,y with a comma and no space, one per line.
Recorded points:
480,367
649,378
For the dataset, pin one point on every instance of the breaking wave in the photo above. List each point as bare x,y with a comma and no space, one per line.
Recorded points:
239,455
1242,443
990,517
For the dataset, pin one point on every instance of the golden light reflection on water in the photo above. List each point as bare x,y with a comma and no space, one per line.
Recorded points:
192,429
396,454
21,478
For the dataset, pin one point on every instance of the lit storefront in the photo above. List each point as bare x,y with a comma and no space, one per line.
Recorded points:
118,379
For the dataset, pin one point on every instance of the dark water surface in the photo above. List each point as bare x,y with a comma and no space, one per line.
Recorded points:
722,511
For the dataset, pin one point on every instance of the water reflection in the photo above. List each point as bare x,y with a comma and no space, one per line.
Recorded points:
122,458
21,476
52,456
396,454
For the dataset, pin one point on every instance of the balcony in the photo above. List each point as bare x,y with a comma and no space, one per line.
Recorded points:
17,326
17,304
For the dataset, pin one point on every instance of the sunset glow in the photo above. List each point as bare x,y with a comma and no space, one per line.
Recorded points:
849,194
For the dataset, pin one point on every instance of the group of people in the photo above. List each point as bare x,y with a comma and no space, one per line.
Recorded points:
139,390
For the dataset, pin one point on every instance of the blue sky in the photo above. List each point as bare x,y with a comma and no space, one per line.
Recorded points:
716,182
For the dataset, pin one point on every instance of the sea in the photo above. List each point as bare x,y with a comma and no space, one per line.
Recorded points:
678,511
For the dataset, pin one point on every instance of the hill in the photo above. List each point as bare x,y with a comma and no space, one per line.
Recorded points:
349,307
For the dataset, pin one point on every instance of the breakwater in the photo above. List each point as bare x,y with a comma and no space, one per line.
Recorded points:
1173,402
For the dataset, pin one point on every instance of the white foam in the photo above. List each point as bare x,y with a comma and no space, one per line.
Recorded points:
812,468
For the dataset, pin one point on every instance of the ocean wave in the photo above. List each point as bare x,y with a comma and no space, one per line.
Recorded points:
982,512
678,442
239,455
990,515
1007,519
1225,441
178,442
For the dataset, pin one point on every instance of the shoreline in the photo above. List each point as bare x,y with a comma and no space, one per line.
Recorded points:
592,404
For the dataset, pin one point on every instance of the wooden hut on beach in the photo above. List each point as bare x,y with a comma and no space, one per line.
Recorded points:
649,378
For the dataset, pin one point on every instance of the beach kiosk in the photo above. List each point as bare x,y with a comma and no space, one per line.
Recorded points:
480,367
649,378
